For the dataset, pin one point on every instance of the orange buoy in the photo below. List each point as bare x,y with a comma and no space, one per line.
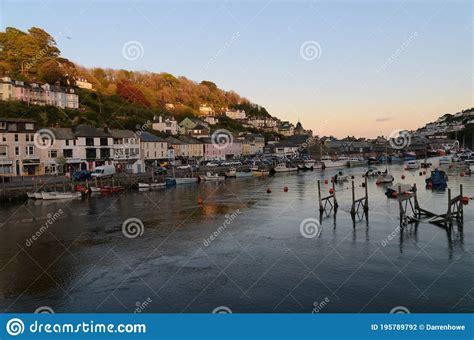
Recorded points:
403,176
325,181
461,174
331,191
429,185
269,191
465,200
285,189
200,201
394,194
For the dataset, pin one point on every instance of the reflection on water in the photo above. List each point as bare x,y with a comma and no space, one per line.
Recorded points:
257,262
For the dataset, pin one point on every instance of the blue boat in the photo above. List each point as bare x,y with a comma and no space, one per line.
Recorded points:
437,180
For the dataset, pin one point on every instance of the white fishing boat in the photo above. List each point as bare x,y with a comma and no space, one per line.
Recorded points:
243,174
385,178
334,163
152,185
282,167
212,177
412,165
340,177
307,164
357,161
38,195
372,172
60,195
30,194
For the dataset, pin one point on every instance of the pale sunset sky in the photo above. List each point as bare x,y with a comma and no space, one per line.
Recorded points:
377,66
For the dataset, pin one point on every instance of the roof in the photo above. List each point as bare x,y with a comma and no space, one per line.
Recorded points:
174,140
189,140
17,120
200,127
122,133
63,133
149,137
85,130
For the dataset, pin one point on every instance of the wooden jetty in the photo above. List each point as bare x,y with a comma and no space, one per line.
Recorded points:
329,201
411,212
362,202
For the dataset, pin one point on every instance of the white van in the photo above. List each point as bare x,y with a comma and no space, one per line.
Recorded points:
103,171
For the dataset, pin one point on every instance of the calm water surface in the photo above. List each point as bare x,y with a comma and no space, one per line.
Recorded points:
259,262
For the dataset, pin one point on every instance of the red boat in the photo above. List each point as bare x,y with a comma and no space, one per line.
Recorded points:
111,189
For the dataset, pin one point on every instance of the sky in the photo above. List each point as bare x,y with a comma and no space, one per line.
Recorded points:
362,68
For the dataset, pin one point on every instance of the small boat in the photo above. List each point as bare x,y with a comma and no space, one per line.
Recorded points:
282,167
170,181
38,195
372,172
409,156
340,177
385,177
425,164
30,194
444,160
334,163
95,189
307,164
151,185
212,177
231,173
243,174
412,165
60,195
260,172
437,180
357,161
111,189
392,191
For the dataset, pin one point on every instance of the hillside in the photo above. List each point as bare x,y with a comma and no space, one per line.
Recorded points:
120,98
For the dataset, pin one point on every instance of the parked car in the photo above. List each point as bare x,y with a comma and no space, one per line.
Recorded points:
184,167
161,171
103,171
212,164
81,175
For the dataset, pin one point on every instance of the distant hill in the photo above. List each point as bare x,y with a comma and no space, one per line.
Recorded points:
119,97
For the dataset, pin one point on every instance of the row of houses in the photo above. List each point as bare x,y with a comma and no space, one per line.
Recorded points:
36,94
27,150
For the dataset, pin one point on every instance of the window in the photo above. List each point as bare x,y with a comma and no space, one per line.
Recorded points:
67,153
53,153
4,138
91,153
16,137
12,127
30,150
90,142
17,151
3,125
27,138
104,142
67,142
29,126
3,151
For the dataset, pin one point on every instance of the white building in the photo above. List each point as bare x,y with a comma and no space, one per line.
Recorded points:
153,148
168,125
126,151
235,114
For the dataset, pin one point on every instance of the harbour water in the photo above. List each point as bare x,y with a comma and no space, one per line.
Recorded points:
241,250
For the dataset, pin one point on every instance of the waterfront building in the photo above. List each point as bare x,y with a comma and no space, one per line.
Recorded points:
63,156
94,146
19,156
195,147
286,129
153,149
180,148
252,144
213,151
126,151
167,125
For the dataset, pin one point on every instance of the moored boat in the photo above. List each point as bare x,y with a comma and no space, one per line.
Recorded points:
111,189
152,185
282,167
412,165
180,180
334,163
444,160
385,177
437,180
357,161
212,177
392,191
409,156
340,177
243,174
260,172
60,195
231,173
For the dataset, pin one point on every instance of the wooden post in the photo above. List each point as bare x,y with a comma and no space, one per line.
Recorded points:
448,215
461,209
366,203
319,196
400,205
334,195
353,200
